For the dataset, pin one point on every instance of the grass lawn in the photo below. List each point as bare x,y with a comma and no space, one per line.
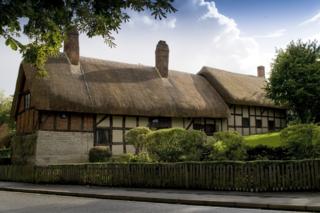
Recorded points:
268,139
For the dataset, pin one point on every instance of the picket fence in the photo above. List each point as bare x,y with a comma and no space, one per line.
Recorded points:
256,176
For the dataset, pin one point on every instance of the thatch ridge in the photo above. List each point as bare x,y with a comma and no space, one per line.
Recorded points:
236,88
109,87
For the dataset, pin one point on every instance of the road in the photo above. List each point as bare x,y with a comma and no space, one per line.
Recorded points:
16,202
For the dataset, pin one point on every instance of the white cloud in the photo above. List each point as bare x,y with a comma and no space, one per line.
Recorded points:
145,20
315,18
228,48
275,34
312,37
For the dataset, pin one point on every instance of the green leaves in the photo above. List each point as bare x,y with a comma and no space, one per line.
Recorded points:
45,22
294,80
11,43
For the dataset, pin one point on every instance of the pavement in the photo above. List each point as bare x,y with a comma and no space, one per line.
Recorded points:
297,201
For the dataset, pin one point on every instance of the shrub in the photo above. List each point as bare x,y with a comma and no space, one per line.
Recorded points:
225,146
99,154
175,144
123,158
142,157
302,140
137,138
263,152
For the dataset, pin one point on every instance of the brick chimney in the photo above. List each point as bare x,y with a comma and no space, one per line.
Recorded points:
162,58
71,45
261,72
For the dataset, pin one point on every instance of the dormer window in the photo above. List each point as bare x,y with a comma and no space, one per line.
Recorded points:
27,100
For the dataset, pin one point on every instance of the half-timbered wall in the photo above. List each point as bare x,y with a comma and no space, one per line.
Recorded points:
118,126
66,122
27,116
245,119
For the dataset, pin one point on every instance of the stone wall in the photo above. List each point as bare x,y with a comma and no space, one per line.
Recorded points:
55,147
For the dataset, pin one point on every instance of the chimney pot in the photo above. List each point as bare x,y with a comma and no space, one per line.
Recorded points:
162,58
261,72
71,45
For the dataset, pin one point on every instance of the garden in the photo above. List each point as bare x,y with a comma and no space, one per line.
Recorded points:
296,142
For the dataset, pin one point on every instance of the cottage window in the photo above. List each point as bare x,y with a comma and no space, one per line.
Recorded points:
258,123
27,98
271,126
245,122
160,123
209,129
103,137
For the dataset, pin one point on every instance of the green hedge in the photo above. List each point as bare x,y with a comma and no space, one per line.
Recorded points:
257,176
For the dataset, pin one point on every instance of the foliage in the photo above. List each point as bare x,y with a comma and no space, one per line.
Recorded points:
137,138
267,139
99,154
175,144
46,22
142,157
5,108
294,80
263,152
302,141
123,158
225,146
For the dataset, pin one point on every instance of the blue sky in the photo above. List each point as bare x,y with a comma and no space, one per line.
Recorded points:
235,35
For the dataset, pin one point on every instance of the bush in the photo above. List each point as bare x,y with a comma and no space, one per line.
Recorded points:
142,157
302,140
175,144
263,152
225,146
99,154
137,138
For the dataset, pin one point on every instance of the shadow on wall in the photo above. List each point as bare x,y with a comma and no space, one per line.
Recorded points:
4,136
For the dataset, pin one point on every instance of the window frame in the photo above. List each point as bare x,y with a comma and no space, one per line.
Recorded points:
202,125
260,123
245,122
108,137
273,126
160,122
27,101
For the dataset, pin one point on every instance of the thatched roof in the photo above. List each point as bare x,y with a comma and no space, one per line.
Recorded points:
238,88
99,86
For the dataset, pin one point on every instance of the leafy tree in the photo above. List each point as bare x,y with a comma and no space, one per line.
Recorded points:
295,78
46,22
5,107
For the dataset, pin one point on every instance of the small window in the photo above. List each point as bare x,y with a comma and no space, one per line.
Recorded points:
245,122
209,129
258,123
271,126
27,98
198,126
160,123
103,137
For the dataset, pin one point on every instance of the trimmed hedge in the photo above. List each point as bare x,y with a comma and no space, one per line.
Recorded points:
257,176
99,154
